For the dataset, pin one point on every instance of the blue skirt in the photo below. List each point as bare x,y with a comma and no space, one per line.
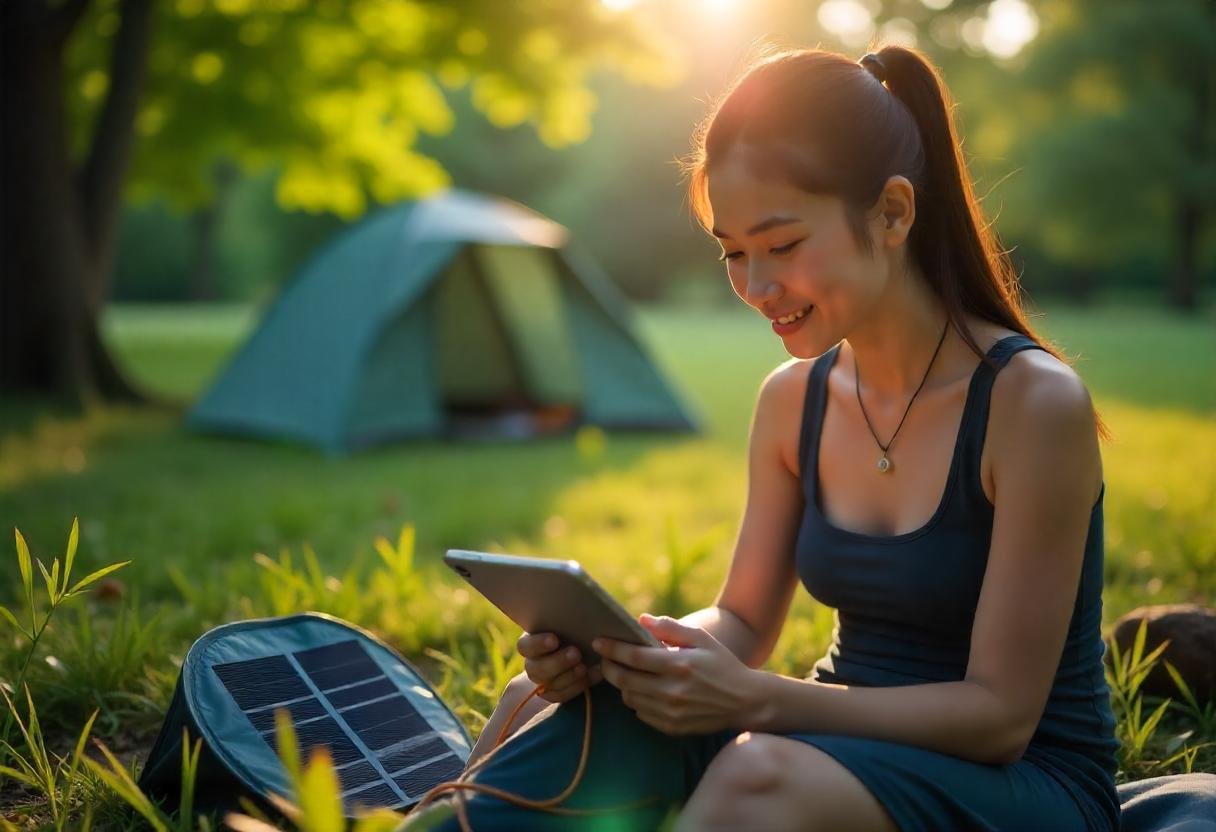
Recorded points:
629,761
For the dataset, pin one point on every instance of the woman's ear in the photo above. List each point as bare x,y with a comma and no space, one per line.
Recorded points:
896,211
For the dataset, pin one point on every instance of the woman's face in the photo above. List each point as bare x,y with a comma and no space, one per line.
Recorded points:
789,253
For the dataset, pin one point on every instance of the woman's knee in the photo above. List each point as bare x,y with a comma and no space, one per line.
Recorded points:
746,768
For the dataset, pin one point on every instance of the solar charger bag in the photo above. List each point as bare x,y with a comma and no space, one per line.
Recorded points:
389,735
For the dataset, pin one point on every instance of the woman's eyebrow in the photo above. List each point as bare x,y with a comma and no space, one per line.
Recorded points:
764,225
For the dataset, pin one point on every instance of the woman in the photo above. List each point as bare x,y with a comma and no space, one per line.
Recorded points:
964,686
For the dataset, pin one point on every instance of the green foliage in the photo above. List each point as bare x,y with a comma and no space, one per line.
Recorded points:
58,589
1104,118
338,94
1134,730
54,778
109,664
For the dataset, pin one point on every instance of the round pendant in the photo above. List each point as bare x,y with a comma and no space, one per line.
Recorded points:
884,464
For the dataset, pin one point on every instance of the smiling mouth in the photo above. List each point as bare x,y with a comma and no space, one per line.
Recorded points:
793,316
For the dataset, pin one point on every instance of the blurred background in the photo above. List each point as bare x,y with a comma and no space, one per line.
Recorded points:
168,167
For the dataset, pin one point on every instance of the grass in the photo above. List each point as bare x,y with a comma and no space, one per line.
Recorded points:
652,517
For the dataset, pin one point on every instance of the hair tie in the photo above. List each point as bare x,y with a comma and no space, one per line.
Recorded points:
874,64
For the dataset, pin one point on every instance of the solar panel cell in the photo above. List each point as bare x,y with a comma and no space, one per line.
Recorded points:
322,732
418,781
261,681
368,716
415,754
395,730
358,774
370,798
333,677
301,710
361,692
331,655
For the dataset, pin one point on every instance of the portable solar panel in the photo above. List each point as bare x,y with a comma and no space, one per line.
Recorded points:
390,736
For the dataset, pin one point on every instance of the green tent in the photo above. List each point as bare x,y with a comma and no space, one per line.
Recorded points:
455,315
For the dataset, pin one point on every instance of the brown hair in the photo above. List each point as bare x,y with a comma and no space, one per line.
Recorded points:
829,126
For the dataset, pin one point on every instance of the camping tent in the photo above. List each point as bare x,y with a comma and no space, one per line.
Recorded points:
433,316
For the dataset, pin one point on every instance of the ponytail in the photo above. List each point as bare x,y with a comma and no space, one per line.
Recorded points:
887,114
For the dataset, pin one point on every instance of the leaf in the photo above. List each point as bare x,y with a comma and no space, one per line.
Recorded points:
1181,684
50,585
432,817
100,573
244,823
319,794
120,781
17,775
70,556
76,755
1150,726
27,571
285,742
8,616
1177,741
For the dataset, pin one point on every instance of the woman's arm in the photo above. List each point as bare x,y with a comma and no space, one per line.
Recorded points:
751,606
1046,473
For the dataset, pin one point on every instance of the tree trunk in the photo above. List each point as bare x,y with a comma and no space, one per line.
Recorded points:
204,223
1184,273
57,229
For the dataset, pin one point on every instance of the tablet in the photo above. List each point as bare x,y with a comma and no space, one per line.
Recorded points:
543,595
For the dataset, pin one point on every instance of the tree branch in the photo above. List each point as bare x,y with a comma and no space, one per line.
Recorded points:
101,177
63,20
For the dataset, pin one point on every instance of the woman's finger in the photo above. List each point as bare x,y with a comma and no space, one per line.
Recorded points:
568,678
635,680
566,692
652,659
554,664
535,645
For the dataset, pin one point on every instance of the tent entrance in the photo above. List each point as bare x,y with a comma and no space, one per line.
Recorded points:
505,359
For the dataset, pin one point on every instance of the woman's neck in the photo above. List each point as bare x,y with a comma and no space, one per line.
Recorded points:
893,347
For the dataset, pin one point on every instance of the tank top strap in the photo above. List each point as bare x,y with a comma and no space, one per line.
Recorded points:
814,404
979,400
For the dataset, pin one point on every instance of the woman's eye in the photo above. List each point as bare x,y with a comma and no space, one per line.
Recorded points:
785,249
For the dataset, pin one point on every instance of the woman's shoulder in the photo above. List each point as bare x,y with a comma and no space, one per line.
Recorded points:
777,423
1040,405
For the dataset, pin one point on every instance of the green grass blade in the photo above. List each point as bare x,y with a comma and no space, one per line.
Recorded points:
70,556
26,567
98,575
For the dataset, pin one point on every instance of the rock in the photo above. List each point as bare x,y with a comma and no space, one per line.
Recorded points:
1191,629
109,589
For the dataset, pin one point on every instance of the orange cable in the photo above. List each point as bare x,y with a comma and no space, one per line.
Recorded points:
547,804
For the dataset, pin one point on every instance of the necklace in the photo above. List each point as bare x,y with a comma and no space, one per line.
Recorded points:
884,462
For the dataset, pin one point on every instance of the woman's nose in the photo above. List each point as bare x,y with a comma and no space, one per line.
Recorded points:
761,288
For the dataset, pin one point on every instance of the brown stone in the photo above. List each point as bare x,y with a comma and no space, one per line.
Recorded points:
1191,629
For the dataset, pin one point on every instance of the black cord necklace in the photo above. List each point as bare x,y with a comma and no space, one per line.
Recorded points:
884,462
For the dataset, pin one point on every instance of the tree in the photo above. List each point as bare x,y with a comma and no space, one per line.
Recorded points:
1115,114
96,95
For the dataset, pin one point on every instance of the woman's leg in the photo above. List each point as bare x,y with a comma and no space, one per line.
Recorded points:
772,782
628,762
516,690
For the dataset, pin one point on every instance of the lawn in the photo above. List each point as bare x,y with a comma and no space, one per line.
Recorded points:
653,517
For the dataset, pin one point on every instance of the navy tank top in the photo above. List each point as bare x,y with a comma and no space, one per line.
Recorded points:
905,603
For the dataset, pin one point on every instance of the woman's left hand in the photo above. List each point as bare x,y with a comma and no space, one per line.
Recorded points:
699,688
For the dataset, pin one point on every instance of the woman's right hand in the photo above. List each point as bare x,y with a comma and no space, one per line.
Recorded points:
561,671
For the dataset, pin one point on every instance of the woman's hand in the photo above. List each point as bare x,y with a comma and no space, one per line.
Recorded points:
560,671
699,688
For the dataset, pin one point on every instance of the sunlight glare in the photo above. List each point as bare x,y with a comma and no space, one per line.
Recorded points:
1011,24
849,20
618,5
